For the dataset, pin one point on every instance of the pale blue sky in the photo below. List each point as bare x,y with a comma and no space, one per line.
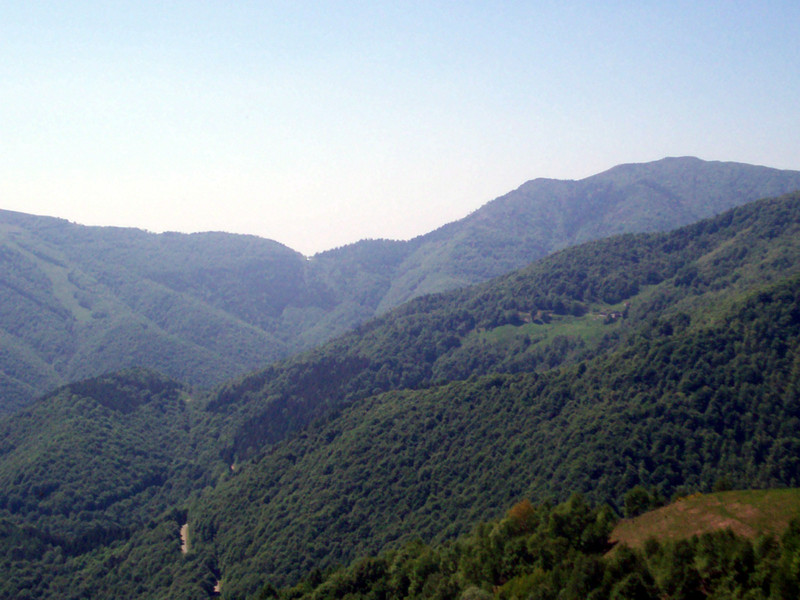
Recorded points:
321,123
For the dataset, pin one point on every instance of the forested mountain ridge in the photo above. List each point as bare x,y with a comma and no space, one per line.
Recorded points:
663,360
531,320
545,215
103,446
89,466
79,301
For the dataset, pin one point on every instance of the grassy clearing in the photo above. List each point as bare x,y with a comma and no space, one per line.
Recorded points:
589,327
749,513
58,274
65,291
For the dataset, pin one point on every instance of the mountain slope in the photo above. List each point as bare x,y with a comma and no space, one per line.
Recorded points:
88,467
78,301
560,553
670,409
426,420
533,319
203,308
103,446
545,215
692,305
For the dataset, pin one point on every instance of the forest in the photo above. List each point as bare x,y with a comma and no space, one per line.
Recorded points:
548,552
480,442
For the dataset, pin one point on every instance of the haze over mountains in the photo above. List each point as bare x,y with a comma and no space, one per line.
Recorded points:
202,308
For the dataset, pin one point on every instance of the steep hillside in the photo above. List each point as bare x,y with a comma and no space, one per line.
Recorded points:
203,308
666,401
87,467
93,446
672,410
79,301
556,311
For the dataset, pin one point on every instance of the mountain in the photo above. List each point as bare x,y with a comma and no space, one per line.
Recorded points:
203,308
79,301
531,320
545,215
673,410
676,397
667,361
87,467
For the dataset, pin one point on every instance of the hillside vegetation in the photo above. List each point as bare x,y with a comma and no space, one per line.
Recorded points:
78,302
669,281
560,552
81,301
86,468
666,362
676,412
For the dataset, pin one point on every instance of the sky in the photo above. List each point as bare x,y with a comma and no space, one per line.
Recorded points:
317,124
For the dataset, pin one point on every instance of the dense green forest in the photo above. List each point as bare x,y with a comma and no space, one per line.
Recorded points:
665,362
77,302
88,466
547,552
80,301
670,411
500,327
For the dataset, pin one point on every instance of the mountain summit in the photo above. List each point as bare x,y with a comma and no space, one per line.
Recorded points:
544,215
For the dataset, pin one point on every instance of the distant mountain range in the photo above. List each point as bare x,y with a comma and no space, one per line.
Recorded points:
79,301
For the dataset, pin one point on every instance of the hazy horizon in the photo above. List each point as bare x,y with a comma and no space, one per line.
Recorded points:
317,125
